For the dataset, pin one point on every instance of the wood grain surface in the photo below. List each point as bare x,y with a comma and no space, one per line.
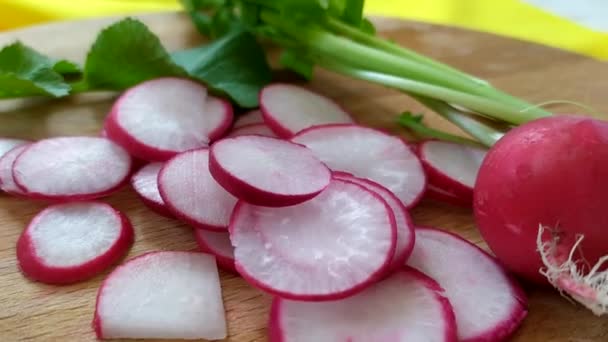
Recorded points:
37,312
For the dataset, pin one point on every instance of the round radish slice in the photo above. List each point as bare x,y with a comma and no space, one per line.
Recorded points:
438,194
7,144
7,182
192,195
168,295
452,167
71,242
368,153
253,129
489,305
267,171
71,168
327,248
405,227
157,119
218,244
408,306
145,184
288,109
249,118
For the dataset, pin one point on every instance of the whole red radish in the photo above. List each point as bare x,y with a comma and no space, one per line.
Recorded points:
540,190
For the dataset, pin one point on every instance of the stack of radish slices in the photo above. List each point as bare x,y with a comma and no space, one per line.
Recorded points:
297,199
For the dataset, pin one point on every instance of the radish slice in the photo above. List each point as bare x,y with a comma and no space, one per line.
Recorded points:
7,182
253,129
267,171
7,144
249,118
327,248
408,306
192,195
368,153
218,244
71,242
145,184
72,168
405,227
452,167
157,119
288,109
438,194
171,295
489,305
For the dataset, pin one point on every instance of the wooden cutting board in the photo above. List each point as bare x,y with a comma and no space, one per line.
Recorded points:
36,312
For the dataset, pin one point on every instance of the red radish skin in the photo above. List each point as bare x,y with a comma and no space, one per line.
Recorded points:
192,195
288,109
7,182
249,118
252,129
145,184
157,119
549,173
218,244
408,306
72,242
452,167
188,306
267,171
468,274
368,153
405,227
328,248
438,194
72,168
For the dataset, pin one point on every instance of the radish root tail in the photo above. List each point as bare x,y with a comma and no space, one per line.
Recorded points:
590,290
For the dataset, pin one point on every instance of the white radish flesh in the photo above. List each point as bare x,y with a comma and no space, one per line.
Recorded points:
253,129
327,248
159,118
267,171
249,118
7,144
71,242
405,227
368,153
145,184
451,166
71,168
218,244
488,304
406,307
171,295
192,195
7,182
288,109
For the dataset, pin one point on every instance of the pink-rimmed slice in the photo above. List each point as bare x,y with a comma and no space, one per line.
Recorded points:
489,305
7,144
145,184
405,226
157,119
218,244
436,193
192,195
329,247
71,242
71,168
267,171
288,109
408,306
162,295
252,129
249,118
7,182
452,167
368,153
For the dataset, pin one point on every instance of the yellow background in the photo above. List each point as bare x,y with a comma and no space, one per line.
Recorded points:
507,17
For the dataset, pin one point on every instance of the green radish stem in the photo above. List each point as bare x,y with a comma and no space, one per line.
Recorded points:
414,123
